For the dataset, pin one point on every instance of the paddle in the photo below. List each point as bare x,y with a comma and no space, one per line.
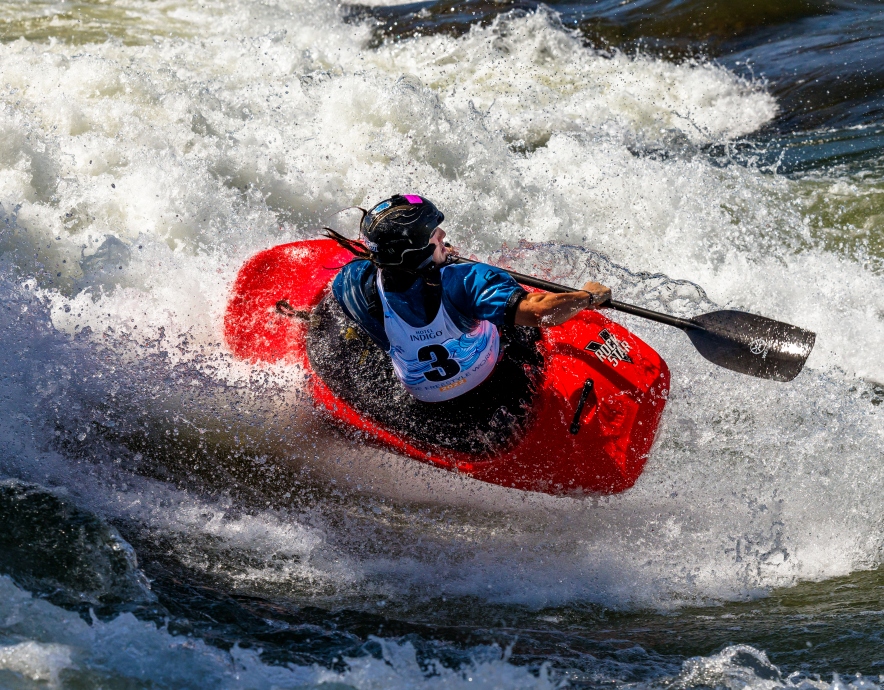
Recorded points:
735,340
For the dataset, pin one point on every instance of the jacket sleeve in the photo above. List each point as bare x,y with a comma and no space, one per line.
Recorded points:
484,293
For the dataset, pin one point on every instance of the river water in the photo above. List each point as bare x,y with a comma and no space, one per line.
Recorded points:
173,518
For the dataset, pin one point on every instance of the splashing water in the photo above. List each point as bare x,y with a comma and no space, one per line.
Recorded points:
137,173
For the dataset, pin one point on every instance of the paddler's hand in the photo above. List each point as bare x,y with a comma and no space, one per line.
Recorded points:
552,309
598,293
451,252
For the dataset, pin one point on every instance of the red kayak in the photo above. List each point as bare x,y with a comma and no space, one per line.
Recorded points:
593,417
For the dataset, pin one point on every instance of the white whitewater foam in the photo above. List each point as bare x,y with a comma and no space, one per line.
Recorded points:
530,79
36,661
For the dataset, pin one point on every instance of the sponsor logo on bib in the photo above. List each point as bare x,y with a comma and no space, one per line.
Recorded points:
421,336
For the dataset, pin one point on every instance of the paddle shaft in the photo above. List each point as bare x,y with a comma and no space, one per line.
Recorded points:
657,316
736,340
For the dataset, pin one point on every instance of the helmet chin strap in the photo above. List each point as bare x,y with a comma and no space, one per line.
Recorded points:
414,269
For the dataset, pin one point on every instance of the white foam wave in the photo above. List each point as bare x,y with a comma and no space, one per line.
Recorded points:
36,661
530,79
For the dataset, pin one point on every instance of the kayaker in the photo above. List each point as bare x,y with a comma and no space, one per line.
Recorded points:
439,322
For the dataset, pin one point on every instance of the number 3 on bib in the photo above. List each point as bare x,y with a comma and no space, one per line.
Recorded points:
443,366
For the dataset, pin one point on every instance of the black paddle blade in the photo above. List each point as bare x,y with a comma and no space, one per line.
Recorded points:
751,344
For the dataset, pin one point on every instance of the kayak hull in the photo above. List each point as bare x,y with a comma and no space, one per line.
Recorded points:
617,423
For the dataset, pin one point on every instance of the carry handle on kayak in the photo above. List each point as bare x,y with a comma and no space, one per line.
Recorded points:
736,340
584,395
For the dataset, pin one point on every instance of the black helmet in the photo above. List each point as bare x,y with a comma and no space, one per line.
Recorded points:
398,230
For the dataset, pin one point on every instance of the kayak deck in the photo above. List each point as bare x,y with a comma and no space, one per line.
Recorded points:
623,382
485,421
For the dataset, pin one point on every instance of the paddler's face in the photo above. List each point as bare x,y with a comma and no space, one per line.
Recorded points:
441,253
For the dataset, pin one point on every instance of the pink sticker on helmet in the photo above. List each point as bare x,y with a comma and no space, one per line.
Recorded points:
412,199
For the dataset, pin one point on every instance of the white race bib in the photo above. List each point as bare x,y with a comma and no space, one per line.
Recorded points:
439,361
